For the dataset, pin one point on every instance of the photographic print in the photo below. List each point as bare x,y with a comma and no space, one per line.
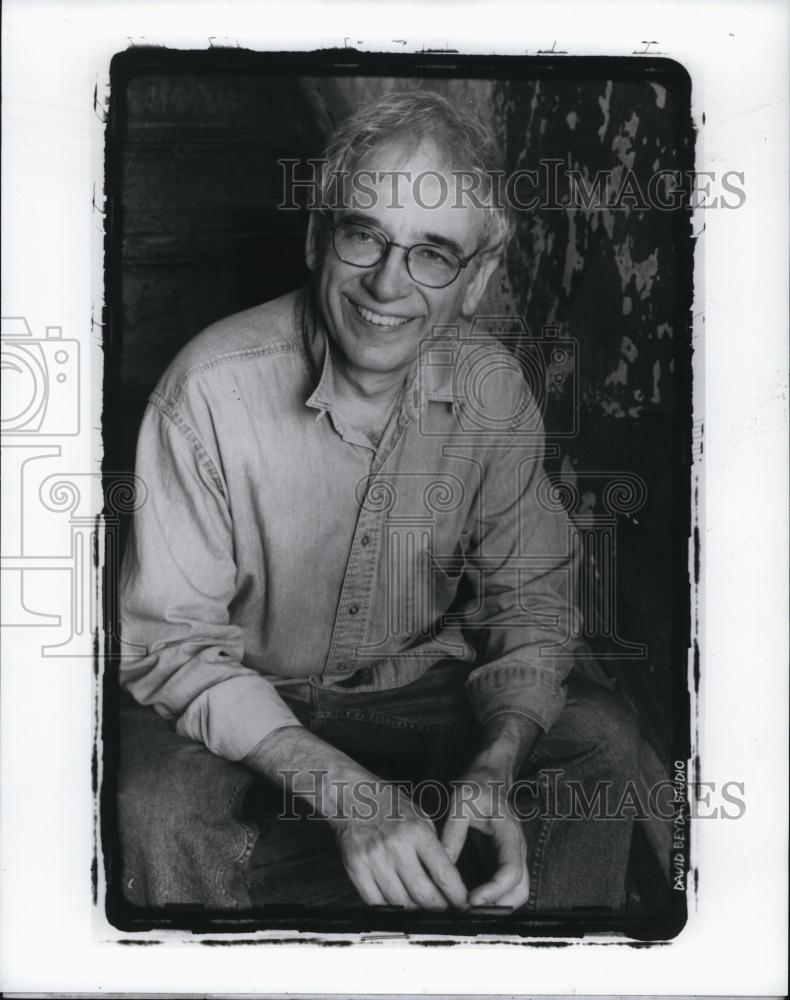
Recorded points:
394,479
404,609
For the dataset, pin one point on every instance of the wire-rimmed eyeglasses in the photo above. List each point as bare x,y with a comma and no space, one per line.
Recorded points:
427,264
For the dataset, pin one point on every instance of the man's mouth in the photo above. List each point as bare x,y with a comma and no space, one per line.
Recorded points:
379,319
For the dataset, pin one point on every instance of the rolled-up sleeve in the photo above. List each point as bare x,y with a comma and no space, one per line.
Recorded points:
522,559
180,651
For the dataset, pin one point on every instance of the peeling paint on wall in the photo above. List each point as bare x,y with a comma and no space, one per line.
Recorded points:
656,398
606,276
629,349
603,104
661,94
643,272
574,261
603,273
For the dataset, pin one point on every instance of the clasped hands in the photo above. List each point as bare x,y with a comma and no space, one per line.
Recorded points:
397,858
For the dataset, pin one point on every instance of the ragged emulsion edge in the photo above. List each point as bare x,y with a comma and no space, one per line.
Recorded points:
628,346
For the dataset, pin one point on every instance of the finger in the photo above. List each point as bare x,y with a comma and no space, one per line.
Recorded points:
511,856
425,894
420,885
363,882
506,878
444,874
391,887
454,836
396,894
518,895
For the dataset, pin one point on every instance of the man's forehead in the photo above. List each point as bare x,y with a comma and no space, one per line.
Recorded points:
394,154
413,187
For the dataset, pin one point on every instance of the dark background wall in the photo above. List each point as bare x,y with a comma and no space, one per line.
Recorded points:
198,236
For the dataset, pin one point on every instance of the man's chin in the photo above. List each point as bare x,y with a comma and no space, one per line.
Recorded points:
380,360
380,353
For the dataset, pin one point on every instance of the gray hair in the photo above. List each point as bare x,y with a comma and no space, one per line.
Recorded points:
465,142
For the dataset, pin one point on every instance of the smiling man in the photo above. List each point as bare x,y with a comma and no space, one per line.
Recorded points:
348,574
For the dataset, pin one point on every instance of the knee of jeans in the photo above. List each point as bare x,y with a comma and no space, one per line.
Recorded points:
182,790
619,734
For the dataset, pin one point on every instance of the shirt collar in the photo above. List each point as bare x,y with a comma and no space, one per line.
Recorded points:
316,344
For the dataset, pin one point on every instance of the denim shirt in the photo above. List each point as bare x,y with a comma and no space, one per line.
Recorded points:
275,544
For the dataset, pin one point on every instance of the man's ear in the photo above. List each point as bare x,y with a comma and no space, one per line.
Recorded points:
477,285
313,239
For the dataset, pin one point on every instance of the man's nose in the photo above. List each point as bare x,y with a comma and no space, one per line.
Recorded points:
389,279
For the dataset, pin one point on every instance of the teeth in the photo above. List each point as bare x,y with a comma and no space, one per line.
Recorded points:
378,320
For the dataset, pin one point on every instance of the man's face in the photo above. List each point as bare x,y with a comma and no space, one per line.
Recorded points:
378,316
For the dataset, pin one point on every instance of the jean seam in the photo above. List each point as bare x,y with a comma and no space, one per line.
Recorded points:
248,842
544,830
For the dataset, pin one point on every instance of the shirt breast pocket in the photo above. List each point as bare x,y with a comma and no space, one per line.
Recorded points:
446,577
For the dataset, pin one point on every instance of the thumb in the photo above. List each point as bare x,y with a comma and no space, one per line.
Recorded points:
454,836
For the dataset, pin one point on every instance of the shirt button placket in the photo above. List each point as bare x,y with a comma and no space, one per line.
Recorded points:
353,609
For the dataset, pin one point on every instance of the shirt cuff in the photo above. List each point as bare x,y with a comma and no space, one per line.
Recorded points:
536,693
233,717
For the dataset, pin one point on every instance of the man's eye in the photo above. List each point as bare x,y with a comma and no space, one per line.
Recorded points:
360,235
432,255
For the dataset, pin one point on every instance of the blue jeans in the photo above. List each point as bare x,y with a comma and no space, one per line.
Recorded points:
196,829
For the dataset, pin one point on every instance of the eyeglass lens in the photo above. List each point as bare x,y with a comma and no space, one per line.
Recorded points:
363,247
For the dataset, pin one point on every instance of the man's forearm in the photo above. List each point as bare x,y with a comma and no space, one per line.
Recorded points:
294,756
506,741
393,857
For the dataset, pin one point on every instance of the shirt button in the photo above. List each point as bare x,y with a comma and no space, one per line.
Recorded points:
341,665
366,539
353,608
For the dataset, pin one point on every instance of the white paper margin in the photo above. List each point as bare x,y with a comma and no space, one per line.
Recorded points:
55,54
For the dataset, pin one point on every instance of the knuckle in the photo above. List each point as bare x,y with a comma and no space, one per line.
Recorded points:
392,843
364,851
423,832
